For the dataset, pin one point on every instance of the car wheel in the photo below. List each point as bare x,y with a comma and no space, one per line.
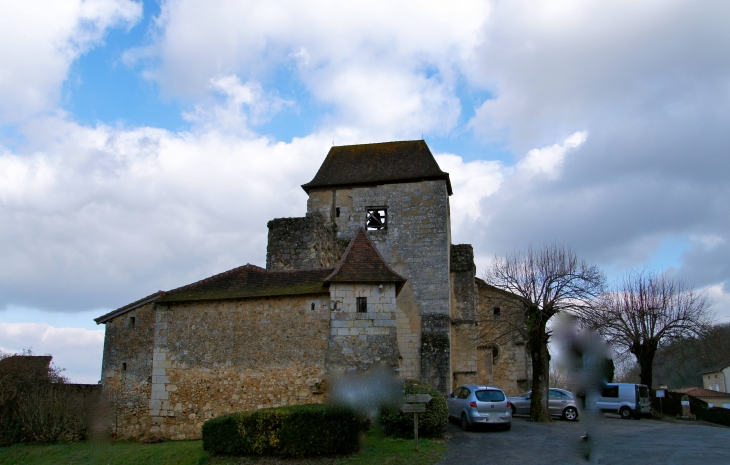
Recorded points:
507,427
625,413
514,411
570,414
464,422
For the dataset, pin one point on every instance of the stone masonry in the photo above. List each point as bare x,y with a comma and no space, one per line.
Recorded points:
416,244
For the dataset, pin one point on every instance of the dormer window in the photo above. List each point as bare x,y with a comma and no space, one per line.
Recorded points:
377,219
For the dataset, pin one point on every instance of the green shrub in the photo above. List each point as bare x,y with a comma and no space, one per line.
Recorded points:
293,431
430,424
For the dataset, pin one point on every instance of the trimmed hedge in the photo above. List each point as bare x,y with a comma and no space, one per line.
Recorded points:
430,424
672,405
292,431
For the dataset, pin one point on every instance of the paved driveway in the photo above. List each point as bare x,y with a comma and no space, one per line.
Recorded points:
612,441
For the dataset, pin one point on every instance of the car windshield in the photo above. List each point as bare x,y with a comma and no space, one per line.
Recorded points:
490,396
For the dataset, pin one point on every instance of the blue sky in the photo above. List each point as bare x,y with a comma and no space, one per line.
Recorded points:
145,145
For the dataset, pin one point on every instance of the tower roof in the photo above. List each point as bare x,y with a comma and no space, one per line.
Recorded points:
373,164
362,263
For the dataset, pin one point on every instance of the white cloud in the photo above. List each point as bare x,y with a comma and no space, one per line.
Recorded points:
39,43
471,182
244,105
384,67
77,350
549,160
116,213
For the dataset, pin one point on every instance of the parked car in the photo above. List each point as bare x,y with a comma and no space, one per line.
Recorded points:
561,403
480,405
628,400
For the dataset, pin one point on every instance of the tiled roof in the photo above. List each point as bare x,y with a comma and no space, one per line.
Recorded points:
373,164
362,263
481,283
702,392
251,281
129,307
718,367
26,365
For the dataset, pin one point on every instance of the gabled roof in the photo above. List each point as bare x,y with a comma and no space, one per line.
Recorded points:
27,366
251,281
362,263
702,392
129,307
718,367
374,164
481,283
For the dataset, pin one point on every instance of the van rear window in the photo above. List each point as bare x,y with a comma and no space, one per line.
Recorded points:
643,391
490,396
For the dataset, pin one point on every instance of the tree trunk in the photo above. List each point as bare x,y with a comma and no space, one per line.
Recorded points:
537,342
645,352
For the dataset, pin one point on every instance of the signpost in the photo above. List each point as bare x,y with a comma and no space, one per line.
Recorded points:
660,395
417,404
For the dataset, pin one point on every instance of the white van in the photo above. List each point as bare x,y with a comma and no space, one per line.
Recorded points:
628,400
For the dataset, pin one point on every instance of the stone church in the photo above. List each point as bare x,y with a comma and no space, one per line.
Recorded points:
368,276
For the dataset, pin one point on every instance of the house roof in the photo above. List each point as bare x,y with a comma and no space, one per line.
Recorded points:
129,307
481,283
362,263
251,281
30,366
373,164
702,392
716,368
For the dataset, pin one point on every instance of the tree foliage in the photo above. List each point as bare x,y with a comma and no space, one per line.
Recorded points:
547,280
646,310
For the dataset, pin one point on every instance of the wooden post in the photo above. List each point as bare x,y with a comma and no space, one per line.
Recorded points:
415,428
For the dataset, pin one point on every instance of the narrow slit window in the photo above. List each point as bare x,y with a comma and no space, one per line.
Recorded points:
377,219
131,322
362,305
312,305
337,212
124,366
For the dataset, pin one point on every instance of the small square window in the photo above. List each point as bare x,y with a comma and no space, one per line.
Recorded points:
497,311
131,322
362,305
312,305
377,219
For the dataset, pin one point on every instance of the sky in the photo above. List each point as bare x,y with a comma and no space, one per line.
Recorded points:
145,145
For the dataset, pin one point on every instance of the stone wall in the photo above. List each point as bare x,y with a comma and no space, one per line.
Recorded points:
127,370
359,340
302,243
415,244
464,302
510,369
211,358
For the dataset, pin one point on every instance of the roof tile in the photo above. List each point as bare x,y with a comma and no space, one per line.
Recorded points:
362,263
372,164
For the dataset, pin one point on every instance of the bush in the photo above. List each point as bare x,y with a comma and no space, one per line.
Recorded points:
430,424
293,431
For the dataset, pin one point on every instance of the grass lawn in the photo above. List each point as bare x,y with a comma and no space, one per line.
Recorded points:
375,449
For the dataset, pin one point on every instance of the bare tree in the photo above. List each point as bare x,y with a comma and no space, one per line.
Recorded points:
547,280
645,310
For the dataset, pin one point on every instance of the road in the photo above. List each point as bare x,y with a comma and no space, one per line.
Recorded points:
611,441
